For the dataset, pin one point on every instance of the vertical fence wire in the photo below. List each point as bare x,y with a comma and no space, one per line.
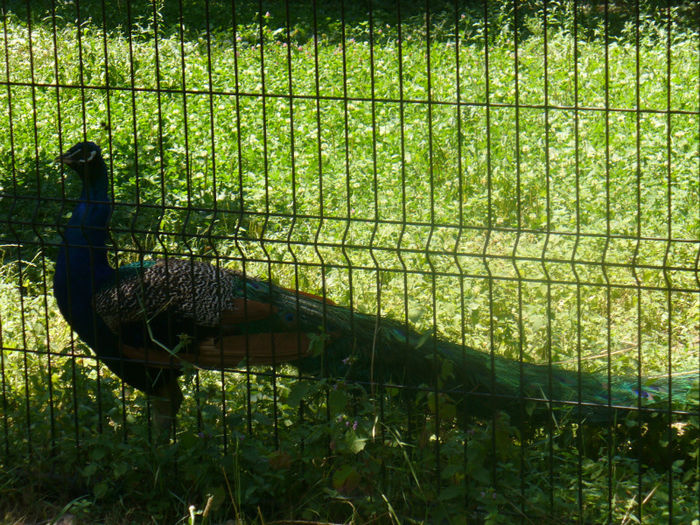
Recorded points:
670,236
639,232
697,256
578,350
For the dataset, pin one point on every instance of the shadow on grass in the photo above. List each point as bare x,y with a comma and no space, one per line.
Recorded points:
308,17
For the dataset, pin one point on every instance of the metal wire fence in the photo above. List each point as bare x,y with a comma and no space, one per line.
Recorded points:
519,178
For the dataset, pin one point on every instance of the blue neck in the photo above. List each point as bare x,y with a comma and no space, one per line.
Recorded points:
90,220
82,261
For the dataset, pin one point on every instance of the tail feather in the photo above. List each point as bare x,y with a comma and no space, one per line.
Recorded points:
268,324
370,349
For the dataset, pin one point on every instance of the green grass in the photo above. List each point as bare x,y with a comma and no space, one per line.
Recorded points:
562,202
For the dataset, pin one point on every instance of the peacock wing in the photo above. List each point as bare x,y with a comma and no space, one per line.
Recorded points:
186,289
235,327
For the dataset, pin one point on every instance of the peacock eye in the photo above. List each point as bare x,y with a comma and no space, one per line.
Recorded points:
89,158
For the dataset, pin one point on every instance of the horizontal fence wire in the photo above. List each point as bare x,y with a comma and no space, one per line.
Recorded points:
508,190
330,98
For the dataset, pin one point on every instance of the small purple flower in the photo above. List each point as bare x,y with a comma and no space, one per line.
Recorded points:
354,425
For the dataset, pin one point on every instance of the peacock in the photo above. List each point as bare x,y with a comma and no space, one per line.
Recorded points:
146,320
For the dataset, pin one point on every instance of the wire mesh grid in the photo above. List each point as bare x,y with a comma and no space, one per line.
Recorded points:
519,178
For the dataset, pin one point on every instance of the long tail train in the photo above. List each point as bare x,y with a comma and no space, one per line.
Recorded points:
277,325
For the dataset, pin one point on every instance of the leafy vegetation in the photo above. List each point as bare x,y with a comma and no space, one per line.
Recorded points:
546,208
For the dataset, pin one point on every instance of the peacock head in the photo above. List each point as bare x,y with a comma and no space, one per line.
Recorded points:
85,158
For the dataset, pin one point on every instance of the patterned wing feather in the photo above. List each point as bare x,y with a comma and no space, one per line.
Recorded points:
195,291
